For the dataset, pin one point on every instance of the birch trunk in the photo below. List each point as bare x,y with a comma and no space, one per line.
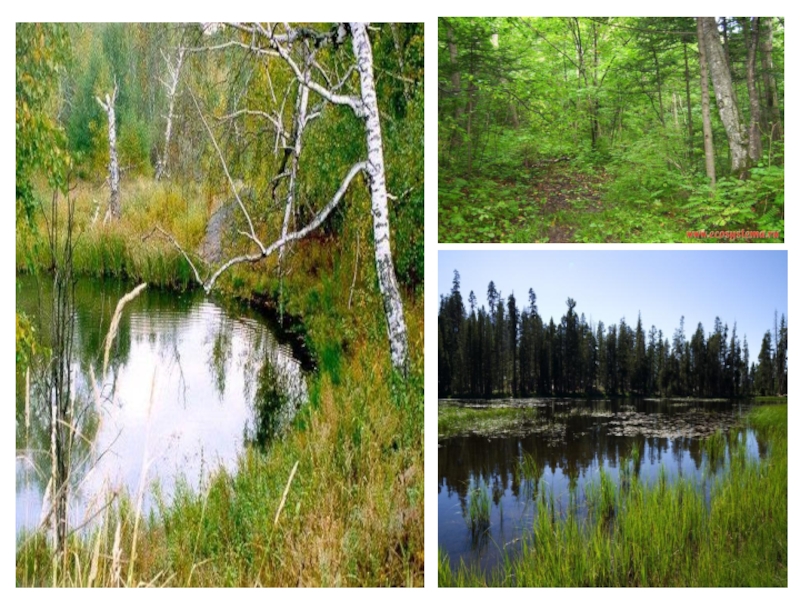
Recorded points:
299,126
387,281
172,88
114,207
708,141
723,90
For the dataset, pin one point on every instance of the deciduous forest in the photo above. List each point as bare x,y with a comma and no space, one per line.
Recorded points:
509,350
611,129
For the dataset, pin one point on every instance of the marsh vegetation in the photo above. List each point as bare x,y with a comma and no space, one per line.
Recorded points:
591,506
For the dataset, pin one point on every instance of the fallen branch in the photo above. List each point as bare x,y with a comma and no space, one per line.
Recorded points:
286,492
112,331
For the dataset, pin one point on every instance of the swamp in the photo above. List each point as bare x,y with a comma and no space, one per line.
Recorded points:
523,490
219,316
571,453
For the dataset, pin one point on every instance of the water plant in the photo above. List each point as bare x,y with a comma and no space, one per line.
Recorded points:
478,509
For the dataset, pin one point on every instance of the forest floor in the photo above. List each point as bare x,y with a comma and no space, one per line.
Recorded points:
562,195
566,202
557,204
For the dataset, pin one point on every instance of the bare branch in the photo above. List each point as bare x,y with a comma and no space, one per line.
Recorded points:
227,173
295,235
232,44
256,113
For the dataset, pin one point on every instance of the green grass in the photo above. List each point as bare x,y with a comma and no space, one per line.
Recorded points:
353,513
456,420
770,399
662,534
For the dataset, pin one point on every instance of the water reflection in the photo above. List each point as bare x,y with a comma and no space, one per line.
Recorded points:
559,447
183,392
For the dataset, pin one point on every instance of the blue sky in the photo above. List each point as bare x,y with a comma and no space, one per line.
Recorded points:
745,286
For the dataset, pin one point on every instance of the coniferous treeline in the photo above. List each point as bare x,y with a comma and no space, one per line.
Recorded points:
511,351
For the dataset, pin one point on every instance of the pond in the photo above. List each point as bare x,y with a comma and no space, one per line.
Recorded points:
189,383
511,451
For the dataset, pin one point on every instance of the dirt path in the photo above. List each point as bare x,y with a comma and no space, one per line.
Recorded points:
562,191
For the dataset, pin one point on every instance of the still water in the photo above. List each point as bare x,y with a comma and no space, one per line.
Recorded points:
190,382
570,441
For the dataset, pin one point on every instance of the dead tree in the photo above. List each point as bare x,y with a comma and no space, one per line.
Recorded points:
174,71
114,206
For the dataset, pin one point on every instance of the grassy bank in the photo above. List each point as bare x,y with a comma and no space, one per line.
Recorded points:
663,534
352,513
460,420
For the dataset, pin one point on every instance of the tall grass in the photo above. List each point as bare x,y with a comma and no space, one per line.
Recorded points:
663,534
124,249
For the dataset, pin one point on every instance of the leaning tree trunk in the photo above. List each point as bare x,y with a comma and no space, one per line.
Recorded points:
114,206
726,101
387,281
708,141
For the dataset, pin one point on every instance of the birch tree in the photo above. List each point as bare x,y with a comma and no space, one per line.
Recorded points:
174,71
297,47
114,207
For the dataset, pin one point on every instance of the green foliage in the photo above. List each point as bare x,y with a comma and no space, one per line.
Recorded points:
642,174
26,344
618,98
134,146
42,51
755,203
86,121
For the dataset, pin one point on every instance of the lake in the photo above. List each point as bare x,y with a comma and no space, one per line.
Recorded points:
191,381
496,447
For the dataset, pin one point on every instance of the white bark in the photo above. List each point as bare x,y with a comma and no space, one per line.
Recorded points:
387,281
114,207
172,88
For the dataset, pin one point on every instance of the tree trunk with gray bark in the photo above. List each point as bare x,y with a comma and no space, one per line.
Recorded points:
708,141
751,39
726,101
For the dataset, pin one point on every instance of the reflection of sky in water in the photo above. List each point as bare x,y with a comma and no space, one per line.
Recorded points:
583,442
202,365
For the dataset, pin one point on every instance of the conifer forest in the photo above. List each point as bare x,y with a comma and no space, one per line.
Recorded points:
505,348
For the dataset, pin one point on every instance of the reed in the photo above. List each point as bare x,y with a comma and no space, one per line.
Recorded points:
478,509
